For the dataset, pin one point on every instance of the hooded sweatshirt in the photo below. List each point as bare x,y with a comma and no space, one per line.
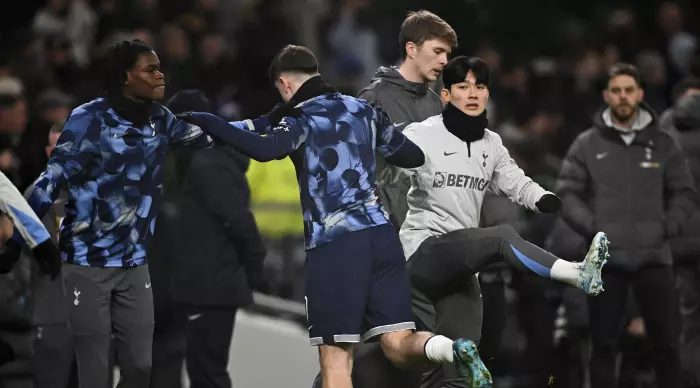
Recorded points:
405,102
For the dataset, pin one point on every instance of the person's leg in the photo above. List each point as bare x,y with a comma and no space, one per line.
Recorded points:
53,358
209,333
495,312
169,345
657,298
389,316
88,292
132,320
467,251
606,312
337,281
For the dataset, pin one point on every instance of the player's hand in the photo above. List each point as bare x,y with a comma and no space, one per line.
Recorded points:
549,203
10,255
49,258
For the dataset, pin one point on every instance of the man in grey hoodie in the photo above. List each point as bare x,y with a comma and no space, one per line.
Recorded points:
404,92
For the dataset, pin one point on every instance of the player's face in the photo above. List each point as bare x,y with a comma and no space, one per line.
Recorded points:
431,58
623,95
469,96
145,81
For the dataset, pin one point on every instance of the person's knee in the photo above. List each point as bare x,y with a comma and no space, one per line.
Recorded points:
506,232
138,366
336,359
391,346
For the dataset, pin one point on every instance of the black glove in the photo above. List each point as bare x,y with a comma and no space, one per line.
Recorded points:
257,279
549,203
10,255
49,258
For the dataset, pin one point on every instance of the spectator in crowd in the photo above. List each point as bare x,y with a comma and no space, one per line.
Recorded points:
218,255
686,247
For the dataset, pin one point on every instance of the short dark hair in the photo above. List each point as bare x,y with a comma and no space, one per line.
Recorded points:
292,58
683,86
424,25
624,69
457,69
119,59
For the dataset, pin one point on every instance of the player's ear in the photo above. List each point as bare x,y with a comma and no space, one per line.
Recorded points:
445,95
411,49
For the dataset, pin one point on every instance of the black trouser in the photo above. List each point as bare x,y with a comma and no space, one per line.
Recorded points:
169,344
657,299
209,334
443,270
688,276
102,301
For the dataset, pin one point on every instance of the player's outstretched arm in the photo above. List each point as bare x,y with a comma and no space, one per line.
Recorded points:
283,139
70,160
394,146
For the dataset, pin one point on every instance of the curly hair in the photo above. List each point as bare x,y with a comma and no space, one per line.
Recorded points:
118,60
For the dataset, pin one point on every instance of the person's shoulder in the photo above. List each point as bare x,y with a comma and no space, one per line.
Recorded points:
424,130
86,115
90,108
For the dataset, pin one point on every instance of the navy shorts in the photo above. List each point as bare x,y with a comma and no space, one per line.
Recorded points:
357,287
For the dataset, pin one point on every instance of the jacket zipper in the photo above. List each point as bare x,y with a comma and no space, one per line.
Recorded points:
627,181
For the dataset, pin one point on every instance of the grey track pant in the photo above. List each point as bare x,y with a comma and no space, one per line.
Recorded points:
102,301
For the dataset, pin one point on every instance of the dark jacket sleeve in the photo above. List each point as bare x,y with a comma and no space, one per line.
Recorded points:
573,186
369,95
679,190
286,137
225,193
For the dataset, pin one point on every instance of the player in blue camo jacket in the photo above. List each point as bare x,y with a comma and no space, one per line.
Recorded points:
110,160
356,283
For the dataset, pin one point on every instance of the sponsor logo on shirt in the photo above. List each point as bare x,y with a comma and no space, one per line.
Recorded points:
443,179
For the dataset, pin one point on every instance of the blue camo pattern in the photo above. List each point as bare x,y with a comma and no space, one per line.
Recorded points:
337,138
113,174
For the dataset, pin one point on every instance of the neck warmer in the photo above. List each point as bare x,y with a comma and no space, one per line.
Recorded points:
467,128
135,111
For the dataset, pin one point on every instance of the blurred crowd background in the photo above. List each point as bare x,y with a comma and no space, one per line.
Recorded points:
548,58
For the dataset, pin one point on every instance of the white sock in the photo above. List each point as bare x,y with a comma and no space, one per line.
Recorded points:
566,272
438,349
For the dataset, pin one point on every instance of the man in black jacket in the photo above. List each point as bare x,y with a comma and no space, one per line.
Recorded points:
218,255
629,179
685,117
